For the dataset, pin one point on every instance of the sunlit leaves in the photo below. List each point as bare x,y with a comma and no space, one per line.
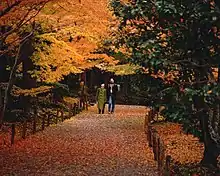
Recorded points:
54,59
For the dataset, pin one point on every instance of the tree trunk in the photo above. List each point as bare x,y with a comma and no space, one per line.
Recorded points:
211,150
208,115
9,86
210,155
210,124
11,79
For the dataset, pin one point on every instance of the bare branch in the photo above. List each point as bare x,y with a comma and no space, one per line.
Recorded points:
198,82
33,16
24,21
5,11
64,8
190,62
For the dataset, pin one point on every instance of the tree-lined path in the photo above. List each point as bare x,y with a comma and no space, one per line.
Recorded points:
87,144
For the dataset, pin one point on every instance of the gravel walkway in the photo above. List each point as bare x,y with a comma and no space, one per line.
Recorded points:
88,144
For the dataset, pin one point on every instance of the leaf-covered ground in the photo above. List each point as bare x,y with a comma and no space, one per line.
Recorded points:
186,151
87,144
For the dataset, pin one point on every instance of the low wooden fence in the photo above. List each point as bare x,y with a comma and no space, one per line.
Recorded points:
158,146
38,122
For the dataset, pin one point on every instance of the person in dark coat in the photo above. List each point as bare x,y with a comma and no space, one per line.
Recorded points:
111,93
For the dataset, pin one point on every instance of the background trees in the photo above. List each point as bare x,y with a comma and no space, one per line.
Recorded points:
14,17
42,41
69,34
179,39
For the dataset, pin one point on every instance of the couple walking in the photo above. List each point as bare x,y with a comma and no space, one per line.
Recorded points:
104,95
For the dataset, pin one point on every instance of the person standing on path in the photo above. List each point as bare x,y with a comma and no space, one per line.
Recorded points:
83,94
101,97
111,93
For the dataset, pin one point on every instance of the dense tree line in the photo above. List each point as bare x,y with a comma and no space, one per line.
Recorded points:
178,42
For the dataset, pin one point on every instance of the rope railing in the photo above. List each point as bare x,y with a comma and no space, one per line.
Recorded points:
36,122
159,149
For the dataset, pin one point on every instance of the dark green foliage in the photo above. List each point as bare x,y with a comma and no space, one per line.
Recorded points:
145,88
59,90
188,47
22,107
181,39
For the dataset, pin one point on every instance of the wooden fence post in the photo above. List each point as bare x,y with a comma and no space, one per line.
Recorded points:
70,110
150,115
158,153
154,144
12,134
149,134
56,120
74,109
167,165
152,136
157,144
1,100
24,129
78,108
34,122
146,124
43,123
162,157
62,116
48,120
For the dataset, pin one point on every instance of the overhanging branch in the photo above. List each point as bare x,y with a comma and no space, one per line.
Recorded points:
192,63
24,21
5,11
